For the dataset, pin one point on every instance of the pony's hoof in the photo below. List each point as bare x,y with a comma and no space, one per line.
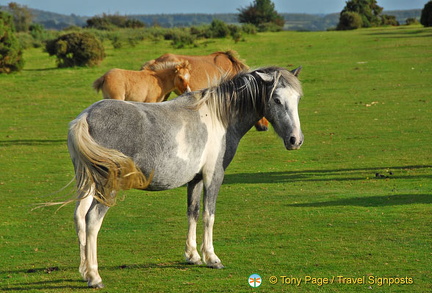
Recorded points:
194,259
197,262
217,265
97,286
261,128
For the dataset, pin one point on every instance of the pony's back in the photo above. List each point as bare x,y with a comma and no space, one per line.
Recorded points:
129,85
206,70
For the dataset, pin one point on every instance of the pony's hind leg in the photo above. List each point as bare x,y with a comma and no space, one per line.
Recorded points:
82,206
94,220
194,194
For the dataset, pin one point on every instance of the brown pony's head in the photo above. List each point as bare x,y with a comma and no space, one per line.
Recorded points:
182,77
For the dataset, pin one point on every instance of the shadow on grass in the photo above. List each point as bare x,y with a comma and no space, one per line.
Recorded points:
372,201
181,265
41,69
378,173
78,283
40,285
32,142
47,285
401,33
49,270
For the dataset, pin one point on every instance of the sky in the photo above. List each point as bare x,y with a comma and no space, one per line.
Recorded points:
125,7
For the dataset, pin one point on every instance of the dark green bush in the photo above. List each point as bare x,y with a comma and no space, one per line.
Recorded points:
412,21
39,34
76,49
236,32
269,27
249,28
350,20
11,58
116,42
180,38
219,29
389,20
426,15
201,32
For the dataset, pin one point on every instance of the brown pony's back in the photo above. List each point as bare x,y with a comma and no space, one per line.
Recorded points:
123,84
149,85
206,69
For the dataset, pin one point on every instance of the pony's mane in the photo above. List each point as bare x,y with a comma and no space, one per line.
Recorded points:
238,65
158,66
244,92
291,80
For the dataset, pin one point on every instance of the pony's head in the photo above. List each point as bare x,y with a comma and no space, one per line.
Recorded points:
284,92
182,77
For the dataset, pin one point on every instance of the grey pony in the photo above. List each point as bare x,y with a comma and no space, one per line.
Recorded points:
118,145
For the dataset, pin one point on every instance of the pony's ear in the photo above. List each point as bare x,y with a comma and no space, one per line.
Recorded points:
296,71
265,76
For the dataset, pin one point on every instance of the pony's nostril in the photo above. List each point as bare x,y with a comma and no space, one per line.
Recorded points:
292,140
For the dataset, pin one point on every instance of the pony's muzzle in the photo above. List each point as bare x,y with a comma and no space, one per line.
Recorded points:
293,142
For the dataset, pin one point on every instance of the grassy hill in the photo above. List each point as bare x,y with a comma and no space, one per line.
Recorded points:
355,201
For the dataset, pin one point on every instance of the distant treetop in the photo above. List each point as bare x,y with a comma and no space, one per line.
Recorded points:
426,15
262,14
108,21
363,13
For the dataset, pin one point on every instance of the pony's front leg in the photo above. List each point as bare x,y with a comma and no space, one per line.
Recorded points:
210,196
209,256
94,220
83,204
194,194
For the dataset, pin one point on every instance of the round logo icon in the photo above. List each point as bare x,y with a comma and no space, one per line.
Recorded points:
255,280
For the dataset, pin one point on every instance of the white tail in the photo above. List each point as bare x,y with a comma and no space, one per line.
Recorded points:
108,170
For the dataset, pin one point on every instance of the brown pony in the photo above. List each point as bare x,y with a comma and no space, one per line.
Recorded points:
208,70
150,85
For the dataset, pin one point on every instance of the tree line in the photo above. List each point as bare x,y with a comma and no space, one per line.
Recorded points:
293,21
17,30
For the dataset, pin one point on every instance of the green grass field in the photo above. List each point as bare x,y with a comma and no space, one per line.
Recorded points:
320,212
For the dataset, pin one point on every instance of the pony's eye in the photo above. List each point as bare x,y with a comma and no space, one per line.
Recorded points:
277,101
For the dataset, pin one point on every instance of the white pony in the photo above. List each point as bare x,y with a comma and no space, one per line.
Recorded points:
117,145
